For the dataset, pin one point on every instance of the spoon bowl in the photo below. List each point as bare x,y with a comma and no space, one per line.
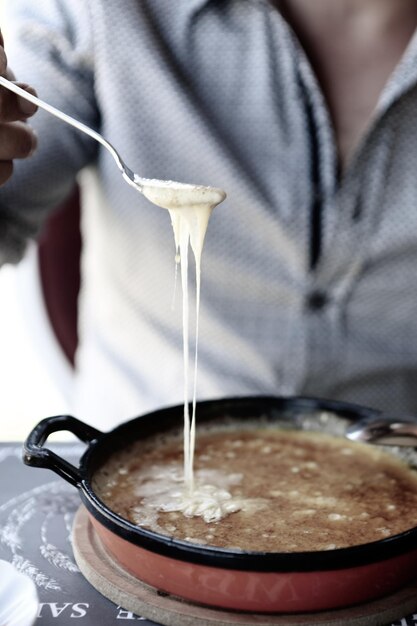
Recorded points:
385,430
172,195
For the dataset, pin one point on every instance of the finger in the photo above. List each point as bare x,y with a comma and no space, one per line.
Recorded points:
13,107
6,170
3,61
26,107
9,74
17,141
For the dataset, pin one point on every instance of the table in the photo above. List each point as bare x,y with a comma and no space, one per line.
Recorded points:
36,513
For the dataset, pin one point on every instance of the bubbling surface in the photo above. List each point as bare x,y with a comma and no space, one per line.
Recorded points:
262,489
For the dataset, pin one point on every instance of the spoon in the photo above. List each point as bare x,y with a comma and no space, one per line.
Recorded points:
386,430
167,194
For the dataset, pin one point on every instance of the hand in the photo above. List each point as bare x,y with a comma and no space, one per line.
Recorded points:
17,139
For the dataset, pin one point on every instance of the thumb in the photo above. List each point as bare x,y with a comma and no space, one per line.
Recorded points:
4,70
3,57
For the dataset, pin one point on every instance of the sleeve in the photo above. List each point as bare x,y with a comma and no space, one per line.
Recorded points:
49,45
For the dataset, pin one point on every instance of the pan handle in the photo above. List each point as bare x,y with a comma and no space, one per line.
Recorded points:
35,455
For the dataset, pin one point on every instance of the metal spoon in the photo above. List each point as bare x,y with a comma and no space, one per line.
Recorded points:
386,430
167,194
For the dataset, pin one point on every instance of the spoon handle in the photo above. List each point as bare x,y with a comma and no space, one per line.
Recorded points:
65,118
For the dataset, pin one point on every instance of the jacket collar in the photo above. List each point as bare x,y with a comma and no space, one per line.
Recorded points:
404,77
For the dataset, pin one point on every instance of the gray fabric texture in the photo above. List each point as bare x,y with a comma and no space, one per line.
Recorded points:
220,93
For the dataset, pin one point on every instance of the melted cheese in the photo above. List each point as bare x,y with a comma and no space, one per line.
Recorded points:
190,208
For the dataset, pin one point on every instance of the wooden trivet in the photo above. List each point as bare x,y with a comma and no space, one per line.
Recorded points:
100,569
